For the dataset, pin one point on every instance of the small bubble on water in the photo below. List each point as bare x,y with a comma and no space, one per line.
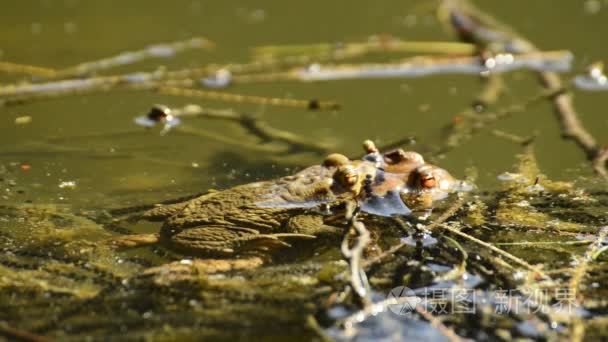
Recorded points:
67,185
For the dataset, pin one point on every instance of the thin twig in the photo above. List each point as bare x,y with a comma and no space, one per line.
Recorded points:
514,138
540,243
495,249
379,43
21,335
31,70
469,122
599,162
418,67
251,123
577,327
205,134
581,269
391,251
571,126
259,100
163,50
354,255
313,325
440,223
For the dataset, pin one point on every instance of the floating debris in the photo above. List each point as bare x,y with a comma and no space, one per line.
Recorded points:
512,177
159,114
558,61
23,120
425,240
535,188
594,80
67,185
221,79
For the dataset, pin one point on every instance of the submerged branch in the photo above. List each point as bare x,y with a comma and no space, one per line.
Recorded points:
259,100
420,66
379,43
571,126
31,70
21,335
251,123
163,50
476,26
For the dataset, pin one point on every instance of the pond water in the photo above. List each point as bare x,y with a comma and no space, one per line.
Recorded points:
86,153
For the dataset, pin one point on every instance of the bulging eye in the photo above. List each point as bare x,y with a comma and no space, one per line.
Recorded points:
347,175
428,182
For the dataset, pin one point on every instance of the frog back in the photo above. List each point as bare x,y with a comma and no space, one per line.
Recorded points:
234,207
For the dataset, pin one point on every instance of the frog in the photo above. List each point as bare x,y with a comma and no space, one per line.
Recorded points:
412,183
240,226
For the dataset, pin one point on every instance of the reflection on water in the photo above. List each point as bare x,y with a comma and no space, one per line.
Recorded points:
425,67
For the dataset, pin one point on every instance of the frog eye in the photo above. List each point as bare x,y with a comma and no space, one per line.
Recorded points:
348,175
401,156
428,181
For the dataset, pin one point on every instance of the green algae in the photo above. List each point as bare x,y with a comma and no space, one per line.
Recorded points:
53,259
527,187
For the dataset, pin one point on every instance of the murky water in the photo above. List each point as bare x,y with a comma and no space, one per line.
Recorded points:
85,152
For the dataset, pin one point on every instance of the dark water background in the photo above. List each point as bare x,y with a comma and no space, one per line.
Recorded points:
62,33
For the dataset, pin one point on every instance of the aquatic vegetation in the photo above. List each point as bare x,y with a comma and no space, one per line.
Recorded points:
526,187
